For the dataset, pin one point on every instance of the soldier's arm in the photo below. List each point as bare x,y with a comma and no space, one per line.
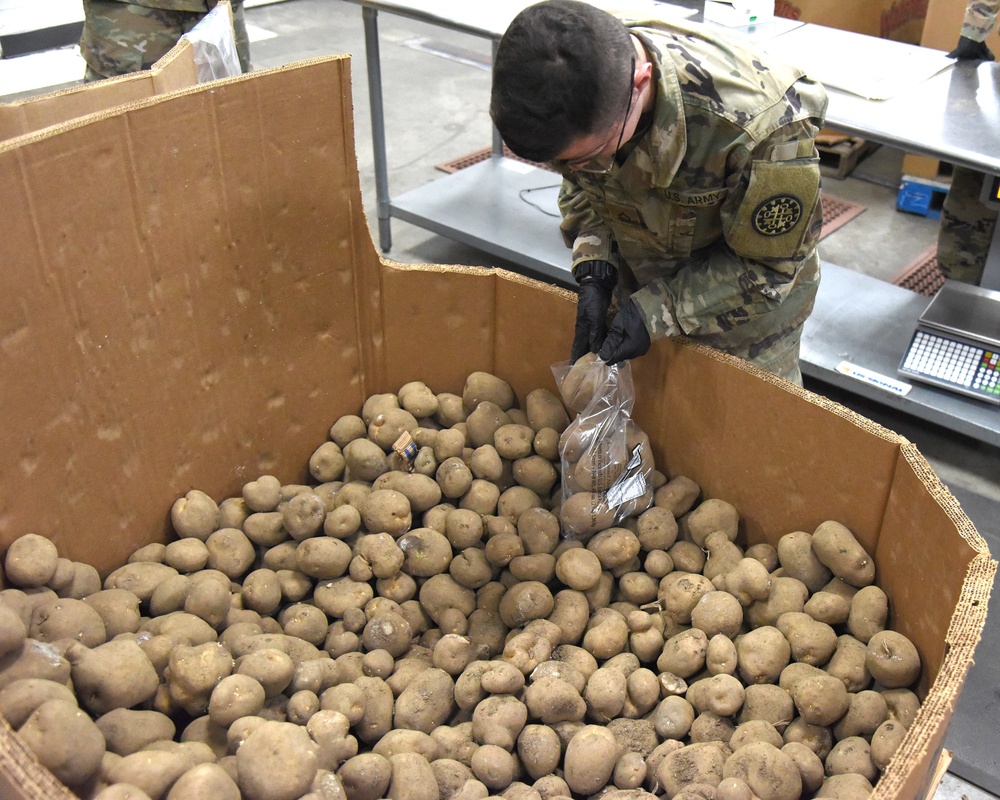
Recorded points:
771,222
582,228
980,17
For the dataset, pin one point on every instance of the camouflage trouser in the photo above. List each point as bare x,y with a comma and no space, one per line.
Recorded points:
966,228
119,37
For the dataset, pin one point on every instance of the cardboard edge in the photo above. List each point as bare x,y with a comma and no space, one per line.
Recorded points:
23,774
175,70
85,119
902,778
19,117
912,770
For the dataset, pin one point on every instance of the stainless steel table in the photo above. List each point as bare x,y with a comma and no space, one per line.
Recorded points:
953,116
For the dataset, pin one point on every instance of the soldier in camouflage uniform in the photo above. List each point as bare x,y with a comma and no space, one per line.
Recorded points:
700,209
123,36
966,224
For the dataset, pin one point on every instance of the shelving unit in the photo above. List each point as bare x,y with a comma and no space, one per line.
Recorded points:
858,321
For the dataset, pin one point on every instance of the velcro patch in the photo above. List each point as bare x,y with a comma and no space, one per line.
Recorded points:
773,219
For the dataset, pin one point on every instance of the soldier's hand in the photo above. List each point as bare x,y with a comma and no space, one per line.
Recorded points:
591,316
969,50
627,338
597,280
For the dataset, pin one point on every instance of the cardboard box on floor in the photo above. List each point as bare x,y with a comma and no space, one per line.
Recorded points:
178,69
191,296
900,20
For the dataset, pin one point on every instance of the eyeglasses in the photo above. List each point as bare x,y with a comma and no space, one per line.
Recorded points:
602,162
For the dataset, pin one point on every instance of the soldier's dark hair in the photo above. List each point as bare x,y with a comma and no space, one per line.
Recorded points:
561,71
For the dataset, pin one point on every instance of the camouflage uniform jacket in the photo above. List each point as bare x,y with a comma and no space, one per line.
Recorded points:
713,217
980,17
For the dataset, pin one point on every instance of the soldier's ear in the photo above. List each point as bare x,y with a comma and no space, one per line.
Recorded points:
643,75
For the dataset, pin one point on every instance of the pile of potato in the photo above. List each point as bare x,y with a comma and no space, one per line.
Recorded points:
413,625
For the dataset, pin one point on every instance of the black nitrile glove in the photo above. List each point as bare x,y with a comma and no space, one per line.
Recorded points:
627,338
597,279
969,50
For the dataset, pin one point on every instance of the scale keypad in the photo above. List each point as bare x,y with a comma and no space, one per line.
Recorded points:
953,364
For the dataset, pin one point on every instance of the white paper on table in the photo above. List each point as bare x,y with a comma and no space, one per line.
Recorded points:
766,29
873,68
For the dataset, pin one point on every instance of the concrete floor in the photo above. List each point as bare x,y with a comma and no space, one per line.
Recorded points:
436,86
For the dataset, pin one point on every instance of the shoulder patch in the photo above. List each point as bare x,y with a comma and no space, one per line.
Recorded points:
777,215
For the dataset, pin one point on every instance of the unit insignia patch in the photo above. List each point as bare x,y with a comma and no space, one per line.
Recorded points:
777,215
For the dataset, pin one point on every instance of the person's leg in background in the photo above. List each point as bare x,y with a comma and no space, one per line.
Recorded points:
966,228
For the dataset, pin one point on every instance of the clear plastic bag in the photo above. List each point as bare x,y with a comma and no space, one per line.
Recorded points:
606,459
214,45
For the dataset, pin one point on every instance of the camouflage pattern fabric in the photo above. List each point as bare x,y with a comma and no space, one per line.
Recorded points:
713,217
966,228
980,17
123,37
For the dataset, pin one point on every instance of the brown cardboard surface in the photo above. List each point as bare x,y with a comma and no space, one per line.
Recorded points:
786,464
900,20
192,312
860,16
920,603
943,24
148,289
175,70
922,167
905,542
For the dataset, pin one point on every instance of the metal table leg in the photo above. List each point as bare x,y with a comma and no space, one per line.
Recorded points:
370,17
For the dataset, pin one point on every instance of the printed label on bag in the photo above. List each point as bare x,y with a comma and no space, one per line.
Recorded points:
631,484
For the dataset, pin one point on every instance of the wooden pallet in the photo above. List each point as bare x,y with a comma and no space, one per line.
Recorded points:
840,154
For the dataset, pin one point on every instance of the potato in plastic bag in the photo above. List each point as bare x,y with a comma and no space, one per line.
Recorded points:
606,459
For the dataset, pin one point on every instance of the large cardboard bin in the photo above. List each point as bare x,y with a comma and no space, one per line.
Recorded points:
190,296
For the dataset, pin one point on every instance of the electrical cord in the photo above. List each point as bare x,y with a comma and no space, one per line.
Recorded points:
524,192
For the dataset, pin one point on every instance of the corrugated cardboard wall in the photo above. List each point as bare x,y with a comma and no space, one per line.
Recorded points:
174,299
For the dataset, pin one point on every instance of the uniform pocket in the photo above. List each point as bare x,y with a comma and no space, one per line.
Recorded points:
774,217
672,228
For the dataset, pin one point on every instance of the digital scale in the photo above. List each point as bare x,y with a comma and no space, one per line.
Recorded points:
956,345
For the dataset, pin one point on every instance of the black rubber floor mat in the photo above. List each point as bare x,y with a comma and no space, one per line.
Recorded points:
922,275
837,212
